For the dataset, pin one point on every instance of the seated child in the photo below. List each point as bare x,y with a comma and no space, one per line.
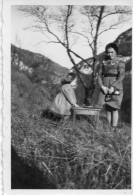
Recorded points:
65,99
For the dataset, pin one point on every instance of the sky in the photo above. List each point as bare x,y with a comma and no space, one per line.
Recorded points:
31,40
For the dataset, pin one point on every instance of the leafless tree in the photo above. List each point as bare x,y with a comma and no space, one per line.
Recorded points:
57,27
60,26
101,19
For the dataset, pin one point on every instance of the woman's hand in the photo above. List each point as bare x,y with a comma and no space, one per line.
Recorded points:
111,90
105,89
75,105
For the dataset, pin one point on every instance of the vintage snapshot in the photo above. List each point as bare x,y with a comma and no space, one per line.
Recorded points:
67,97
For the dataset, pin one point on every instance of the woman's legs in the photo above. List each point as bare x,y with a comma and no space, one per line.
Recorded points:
108,115
112,116
115,117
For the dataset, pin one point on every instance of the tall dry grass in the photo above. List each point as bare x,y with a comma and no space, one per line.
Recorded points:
75,156
70,156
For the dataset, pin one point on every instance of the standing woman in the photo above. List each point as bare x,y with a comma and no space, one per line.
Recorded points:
65,99
111,75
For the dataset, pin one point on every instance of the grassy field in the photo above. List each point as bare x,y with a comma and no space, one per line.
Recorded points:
57,154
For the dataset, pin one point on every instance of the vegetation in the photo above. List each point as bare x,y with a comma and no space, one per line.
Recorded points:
57,154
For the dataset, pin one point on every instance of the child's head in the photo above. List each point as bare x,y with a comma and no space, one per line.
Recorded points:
70,77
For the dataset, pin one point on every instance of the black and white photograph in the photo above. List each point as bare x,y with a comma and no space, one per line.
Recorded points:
67,74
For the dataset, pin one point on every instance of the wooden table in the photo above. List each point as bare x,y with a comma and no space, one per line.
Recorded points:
88,110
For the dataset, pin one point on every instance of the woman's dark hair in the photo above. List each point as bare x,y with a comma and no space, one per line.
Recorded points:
111,45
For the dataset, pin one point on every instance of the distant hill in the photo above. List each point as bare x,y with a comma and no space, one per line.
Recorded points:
124,42
40,68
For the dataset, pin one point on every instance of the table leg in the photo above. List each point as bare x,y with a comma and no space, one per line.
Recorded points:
74,116
97,119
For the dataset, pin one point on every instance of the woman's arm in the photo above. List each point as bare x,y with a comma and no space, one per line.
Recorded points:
100,82
121,74
69,94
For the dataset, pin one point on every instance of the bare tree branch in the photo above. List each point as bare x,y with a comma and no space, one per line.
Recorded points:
58,25
117,11
113,26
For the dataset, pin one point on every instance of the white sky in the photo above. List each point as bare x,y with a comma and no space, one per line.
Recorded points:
29,40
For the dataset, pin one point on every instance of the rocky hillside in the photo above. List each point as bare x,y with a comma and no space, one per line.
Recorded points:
124,42
37,67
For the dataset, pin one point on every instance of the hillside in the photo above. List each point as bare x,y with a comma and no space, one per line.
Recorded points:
124,42
40,68
55,154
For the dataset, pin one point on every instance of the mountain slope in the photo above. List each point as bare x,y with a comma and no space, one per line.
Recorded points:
124,42
39,67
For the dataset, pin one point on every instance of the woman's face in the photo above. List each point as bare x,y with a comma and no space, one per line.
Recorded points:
111,53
